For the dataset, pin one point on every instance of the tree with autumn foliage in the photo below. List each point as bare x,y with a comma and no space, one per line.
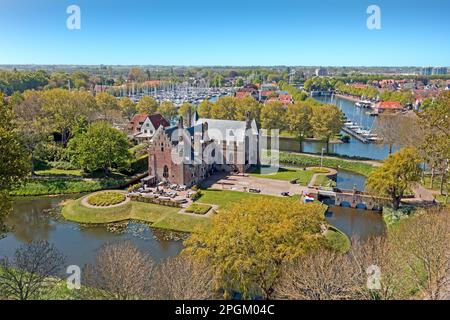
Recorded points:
397,175
250,240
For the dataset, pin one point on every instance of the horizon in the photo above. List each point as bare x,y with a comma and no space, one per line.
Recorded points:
228,34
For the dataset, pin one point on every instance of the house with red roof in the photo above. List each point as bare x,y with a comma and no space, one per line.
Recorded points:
142,127
389,106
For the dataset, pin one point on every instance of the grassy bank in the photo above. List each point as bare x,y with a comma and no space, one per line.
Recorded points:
57,186
337,239
156,215
222,198
303,160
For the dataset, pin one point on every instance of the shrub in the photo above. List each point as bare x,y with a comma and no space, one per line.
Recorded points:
198,208
196,195
105,199
63,165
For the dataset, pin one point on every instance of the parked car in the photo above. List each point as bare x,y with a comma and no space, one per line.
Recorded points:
254,190
285,194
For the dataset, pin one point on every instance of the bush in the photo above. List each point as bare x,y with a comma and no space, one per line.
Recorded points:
309,161
196,195
63,165
167,203
105,199
135,166
198,208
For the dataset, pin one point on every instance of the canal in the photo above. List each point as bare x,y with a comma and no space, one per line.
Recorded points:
354,147
38,219
34,219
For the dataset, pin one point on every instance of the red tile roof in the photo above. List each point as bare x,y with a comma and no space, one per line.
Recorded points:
158,120
390,105
243,94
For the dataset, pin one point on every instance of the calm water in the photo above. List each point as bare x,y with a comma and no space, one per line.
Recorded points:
354,147
355,223
30,222
78,243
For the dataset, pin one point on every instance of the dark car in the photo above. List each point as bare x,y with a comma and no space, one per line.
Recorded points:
285,194
254,190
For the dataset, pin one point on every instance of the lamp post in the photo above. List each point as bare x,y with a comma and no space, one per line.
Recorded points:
321,158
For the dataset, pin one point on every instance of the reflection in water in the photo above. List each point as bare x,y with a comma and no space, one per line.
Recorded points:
356,223
79,243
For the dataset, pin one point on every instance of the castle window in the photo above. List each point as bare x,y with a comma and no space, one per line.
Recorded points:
162,149
166,172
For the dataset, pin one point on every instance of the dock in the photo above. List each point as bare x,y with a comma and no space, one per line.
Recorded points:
355,135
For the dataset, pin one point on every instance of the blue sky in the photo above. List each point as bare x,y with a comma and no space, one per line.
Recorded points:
233,32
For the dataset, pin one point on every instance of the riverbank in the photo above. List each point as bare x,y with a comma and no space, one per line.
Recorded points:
157,216
362,167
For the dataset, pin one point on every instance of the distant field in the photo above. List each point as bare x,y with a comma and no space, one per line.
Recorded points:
303,176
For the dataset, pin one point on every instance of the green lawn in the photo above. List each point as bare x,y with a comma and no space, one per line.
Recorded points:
337,240
223,198
287,174
158,216
303,160
59,172
52,186
198,208
324,181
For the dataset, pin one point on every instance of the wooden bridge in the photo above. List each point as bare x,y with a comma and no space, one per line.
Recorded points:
352,198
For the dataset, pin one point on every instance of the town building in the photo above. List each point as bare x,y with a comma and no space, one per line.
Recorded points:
439,71
142,127
389,106
187,156
321,72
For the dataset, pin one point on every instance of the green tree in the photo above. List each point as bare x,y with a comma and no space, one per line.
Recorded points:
147,105
397,174
248,106
250,240
99,147
298,117
326,122
273,116
204,109
224,108
107,105
31,123
14,164
128,108
168,110
186,111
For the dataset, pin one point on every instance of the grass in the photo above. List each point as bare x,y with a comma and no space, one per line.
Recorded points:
222,198
105,199
337,240
156,215
303,176
302,160
52,186
198,208
59,172
324,181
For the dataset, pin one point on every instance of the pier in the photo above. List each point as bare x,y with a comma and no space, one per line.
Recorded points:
355,135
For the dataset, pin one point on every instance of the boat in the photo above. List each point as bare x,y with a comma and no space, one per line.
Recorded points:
364,104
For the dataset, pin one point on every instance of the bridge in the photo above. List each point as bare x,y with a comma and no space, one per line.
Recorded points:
353,198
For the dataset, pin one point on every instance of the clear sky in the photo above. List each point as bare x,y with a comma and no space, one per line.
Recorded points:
232,32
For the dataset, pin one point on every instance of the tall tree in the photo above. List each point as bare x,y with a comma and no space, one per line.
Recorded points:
298,117
397,174
31,123
127,107
14,163
250,240
100,147
168,110
204,109
273,116
31,272
326,121
147,105
107,106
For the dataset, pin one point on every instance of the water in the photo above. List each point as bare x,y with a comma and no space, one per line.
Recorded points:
354,147
355,223
77,242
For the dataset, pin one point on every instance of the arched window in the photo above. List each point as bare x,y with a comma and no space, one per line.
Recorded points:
166,172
